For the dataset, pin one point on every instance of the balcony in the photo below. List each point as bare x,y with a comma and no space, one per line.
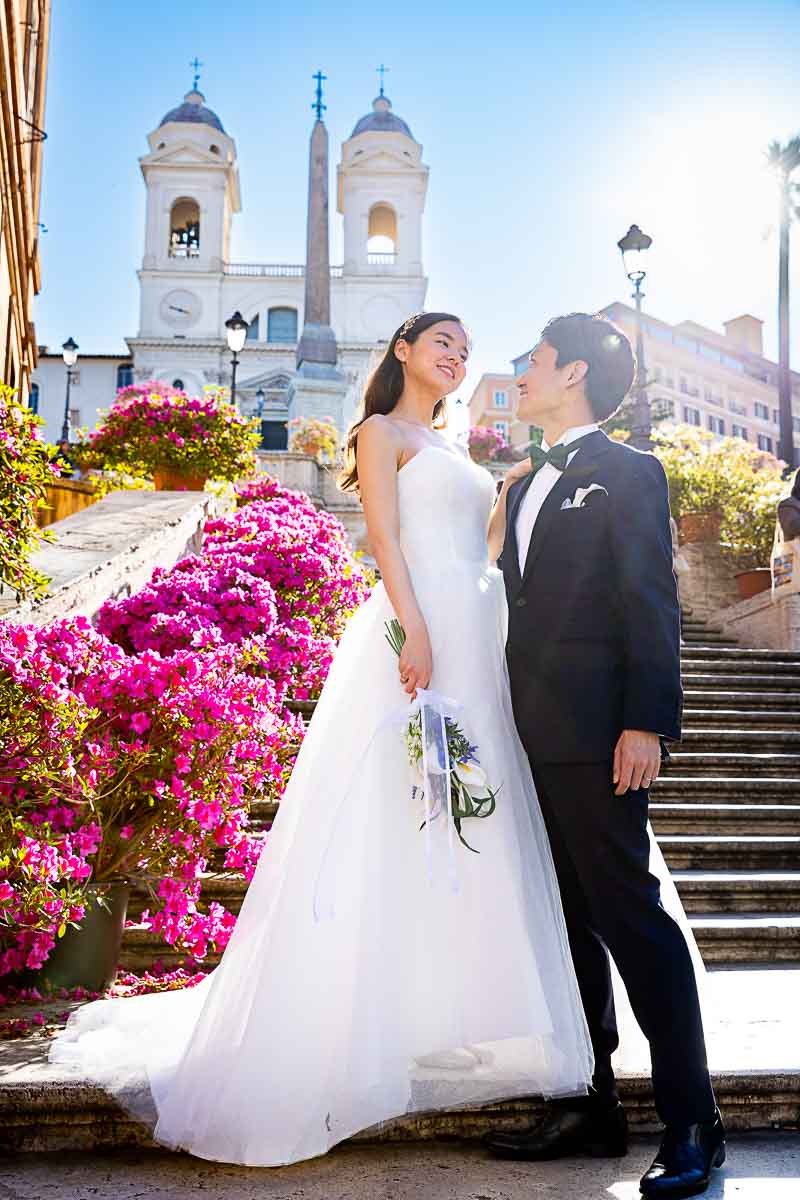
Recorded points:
275,270
383,259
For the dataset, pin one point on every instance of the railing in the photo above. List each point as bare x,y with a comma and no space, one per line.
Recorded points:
382,260
275,270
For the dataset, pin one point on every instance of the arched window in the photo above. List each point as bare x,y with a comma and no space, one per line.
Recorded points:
282,325
252,330
382,234
184,229
124,375
33,400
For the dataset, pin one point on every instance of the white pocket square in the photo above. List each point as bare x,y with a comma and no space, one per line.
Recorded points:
579,499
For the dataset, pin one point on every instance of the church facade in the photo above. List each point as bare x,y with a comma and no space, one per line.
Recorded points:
189,286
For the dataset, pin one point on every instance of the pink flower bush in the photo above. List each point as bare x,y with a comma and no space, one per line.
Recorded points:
154,426
485,443
135,750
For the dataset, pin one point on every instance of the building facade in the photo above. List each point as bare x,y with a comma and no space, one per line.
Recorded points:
24,35
189,286
494,403
718,382
94,383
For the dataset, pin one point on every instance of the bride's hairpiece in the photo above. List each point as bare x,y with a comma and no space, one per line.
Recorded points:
408,324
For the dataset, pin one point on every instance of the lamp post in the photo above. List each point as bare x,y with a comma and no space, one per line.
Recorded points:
237,335
69,350
633,247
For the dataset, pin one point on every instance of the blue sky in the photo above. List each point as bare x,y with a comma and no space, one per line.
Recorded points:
548,130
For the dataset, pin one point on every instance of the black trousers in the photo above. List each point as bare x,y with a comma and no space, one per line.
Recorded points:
612,903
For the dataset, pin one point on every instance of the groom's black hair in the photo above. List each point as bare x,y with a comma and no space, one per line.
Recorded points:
606,351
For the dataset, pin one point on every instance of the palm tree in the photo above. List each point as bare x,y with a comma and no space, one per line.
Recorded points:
785,160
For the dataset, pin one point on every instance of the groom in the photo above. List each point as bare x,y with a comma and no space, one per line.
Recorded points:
594,662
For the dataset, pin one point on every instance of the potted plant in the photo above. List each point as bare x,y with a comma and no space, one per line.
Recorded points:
486,444
318,437
180,440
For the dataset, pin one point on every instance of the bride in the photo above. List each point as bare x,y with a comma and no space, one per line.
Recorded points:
368,977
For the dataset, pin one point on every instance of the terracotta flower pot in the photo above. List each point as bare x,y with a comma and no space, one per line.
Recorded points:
171,479
700,527
752,583
89,956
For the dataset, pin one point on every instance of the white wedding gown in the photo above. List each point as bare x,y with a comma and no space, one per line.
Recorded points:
358,953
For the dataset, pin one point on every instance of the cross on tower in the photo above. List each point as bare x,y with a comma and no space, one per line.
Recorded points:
382,71
195,64
318,105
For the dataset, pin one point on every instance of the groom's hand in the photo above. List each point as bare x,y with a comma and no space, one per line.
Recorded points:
637,760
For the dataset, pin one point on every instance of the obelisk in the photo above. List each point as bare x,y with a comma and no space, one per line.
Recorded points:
318,389
317,345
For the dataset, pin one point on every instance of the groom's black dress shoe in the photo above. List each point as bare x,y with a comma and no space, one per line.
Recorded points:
601,1132
683,1164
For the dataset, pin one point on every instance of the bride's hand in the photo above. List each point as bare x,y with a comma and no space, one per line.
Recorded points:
416,661
518,471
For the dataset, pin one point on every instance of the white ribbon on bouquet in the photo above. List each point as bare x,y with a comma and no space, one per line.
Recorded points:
434,785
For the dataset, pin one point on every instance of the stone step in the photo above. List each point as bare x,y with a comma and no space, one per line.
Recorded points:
743,853
728,762
757,682
752,741
698,715
725,819
727,892
704,638
740,654
712,695
44,1111
748,938
741,668
725,789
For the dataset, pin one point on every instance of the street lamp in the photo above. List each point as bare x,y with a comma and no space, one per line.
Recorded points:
634,246
69,350
237,335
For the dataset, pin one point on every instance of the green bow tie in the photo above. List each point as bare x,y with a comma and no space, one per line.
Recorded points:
556,457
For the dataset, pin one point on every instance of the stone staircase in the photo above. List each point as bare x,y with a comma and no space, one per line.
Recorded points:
726,810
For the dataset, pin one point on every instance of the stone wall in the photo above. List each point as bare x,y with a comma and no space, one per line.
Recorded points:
302,473
705,580
762,622
112,548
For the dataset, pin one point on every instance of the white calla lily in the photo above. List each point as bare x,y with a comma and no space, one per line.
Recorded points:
472,775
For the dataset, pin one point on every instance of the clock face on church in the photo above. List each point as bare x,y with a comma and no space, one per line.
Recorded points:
180,309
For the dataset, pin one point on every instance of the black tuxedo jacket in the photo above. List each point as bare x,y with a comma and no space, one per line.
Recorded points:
594,627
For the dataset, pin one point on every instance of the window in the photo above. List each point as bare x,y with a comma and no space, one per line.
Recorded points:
662,409
184,229
796,424
761,411
764,442
382,235
684,386
776,416
733,363
691,415
501,399
124,375
282,325
33,399
739,431
274,435
252,330
74,418
74,376
716,425
502,427
737,406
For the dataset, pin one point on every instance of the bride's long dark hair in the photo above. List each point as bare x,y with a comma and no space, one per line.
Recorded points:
385,388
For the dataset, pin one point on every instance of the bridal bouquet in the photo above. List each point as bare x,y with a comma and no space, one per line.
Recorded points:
470,794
